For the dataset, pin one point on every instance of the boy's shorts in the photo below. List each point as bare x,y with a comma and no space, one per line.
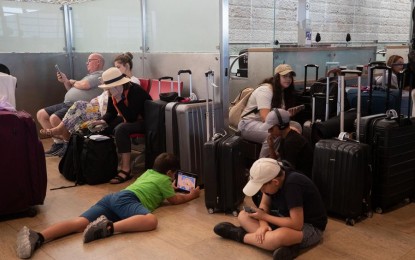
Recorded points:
116,206
311,235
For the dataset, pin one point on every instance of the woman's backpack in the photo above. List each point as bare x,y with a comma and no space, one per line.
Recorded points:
238,105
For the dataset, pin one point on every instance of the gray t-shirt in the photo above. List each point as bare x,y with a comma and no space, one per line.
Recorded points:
75,94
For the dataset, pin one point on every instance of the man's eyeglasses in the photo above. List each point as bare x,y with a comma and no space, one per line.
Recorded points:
89,60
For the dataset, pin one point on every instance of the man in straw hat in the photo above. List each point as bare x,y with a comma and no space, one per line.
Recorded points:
290,217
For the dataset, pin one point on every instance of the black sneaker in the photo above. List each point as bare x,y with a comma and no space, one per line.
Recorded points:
27,241
54,149
286,253
99,228
230,231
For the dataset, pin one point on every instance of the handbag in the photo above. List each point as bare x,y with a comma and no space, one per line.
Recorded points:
170,97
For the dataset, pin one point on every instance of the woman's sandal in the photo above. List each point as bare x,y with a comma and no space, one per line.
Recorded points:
119,179
46,132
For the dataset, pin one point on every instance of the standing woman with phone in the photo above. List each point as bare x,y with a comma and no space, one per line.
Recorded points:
275,92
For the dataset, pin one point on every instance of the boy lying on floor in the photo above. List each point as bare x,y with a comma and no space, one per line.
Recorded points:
128,210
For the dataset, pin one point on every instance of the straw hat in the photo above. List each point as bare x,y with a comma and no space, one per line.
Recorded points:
113,77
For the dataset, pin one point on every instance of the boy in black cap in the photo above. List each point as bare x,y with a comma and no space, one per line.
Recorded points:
291,215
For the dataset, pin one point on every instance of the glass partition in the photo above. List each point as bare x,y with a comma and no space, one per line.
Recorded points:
31,27
107,26
183,26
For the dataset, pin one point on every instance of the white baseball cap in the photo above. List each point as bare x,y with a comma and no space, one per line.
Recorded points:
262,171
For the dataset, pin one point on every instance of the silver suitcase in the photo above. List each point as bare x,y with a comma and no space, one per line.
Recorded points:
186,133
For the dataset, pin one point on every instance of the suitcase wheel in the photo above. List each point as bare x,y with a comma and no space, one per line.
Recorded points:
210,211
31,212
235,213
369,214
379,210
350,221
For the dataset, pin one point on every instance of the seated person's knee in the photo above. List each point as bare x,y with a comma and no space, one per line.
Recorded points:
41,114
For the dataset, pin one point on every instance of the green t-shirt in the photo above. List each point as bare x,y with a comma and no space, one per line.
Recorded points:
152,188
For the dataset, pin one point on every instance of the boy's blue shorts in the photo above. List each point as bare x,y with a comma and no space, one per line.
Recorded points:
116,206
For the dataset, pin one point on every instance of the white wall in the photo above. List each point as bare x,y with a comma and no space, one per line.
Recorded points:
252,21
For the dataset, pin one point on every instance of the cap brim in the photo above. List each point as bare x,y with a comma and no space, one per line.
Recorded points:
286,72
251,188
114,84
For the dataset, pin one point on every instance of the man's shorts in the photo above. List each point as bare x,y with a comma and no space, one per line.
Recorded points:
59,109
116,206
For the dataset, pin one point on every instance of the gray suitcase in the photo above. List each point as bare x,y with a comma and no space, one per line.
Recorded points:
186,133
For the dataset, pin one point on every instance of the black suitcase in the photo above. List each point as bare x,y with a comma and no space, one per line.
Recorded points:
323,107
393,145
392,138
342,173
225,174
304,97
155,136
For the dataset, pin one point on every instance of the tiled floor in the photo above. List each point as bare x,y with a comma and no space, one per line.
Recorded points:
185,232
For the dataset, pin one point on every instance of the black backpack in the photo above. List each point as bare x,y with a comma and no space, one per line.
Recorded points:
89,161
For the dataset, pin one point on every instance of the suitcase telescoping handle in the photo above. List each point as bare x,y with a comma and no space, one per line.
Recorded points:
171,83
401,84
209,81
359,95
305,74
372,69
190,80
371,64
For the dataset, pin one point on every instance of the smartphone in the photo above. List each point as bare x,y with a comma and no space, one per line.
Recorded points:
57,68
294,110
249,209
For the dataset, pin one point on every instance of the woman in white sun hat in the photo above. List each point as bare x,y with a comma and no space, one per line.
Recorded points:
124,116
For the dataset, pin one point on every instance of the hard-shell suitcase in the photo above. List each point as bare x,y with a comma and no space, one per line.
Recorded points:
22,163
304,96
225,174
323,106
376,100
224,167
392,138
155,136
341,171
186,133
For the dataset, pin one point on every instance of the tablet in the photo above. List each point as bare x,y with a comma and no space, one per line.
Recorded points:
185,181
